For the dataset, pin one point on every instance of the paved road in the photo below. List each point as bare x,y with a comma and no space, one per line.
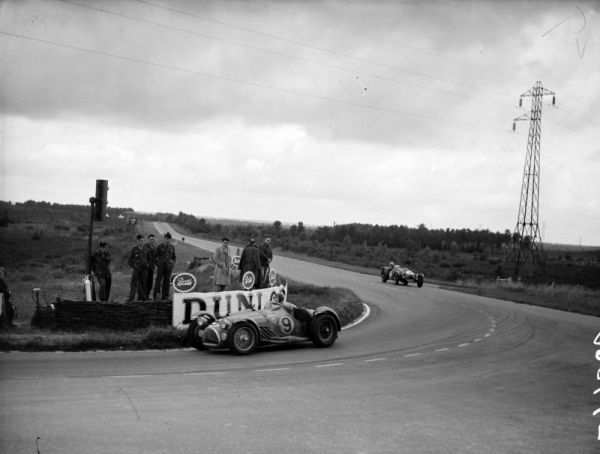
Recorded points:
430,371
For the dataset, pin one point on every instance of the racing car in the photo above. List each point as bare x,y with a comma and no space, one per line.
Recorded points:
279,323
400,274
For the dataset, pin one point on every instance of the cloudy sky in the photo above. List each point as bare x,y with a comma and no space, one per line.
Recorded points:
381,112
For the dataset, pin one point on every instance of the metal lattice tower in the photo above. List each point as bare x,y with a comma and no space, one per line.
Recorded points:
527,241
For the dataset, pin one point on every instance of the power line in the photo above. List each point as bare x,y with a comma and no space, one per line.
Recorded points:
248,83
374,38
352,71
321,49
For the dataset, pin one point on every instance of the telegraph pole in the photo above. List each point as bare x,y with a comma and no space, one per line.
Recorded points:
527,242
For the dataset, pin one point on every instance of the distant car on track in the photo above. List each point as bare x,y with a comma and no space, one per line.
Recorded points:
399,274
280,323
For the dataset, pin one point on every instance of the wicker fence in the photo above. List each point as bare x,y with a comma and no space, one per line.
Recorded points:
69,315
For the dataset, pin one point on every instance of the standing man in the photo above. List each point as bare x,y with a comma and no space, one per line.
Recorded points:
8,311
101,269
150,248
138,260
250,261
266,257
165,261
222,259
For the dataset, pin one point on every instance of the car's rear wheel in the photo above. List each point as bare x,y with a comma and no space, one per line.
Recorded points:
243,339
397,279
324,331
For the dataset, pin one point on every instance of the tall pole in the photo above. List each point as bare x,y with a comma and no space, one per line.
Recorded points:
526,238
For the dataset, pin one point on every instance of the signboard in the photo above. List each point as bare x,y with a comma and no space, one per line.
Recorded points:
184,282
248,280
186,306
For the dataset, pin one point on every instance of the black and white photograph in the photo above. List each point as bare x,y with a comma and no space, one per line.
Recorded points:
301,226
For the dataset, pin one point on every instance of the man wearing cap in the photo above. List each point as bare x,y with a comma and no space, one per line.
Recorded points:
222,260
150,249
101,269
250,261
165,261
138,260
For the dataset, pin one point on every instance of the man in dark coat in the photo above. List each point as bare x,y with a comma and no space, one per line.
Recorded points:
250,261
101,268
266,256
150,248
165,260
8,312
138,260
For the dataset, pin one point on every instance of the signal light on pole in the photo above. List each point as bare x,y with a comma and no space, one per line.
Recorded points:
101,201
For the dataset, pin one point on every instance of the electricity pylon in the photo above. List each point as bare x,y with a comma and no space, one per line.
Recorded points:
527,241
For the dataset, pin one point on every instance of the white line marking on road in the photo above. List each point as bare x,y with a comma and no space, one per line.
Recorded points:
329,365
374,359
487,335
204,373
413,354
463,345
273,370
442,349
130,376
477,340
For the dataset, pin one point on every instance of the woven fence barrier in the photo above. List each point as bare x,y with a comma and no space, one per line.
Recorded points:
68,315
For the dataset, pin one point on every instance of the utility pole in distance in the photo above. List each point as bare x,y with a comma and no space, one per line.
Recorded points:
526,238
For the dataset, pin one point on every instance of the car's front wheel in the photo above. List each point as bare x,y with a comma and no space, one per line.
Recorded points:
243,339
196,328
324,331
420,281
384,275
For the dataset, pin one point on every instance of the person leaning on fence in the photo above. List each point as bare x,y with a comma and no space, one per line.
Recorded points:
101,268
150,248
222,260
138,260
8,310
266,257
165,261
250,261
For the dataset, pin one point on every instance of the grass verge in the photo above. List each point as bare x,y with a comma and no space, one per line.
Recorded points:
27,338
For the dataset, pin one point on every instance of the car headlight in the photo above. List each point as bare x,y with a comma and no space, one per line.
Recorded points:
224,323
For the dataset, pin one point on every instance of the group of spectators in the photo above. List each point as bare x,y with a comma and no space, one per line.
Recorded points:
256,259
143,258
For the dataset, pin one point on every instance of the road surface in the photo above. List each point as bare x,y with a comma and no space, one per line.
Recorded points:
429,371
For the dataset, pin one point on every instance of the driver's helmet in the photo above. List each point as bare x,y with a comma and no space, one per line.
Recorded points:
391,264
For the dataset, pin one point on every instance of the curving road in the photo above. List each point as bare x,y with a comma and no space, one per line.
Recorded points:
429,371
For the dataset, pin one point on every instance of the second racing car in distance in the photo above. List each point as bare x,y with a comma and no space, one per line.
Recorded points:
399,274
279,323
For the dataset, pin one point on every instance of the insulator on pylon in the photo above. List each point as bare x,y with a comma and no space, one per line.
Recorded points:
514,125
553,100
520,102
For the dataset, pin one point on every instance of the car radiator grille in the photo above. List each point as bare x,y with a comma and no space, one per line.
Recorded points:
210,337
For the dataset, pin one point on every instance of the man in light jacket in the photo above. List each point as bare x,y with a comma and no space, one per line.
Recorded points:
222,259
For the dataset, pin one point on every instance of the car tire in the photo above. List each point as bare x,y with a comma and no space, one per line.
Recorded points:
194,335
397,279
420,281
324,331
243,339
384,276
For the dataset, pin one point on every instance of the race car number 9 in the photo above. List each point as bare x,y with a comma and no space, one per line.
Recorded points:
286,324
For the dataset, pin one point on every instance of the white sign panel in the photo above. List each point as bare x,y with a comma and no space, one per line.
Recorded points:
186,306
